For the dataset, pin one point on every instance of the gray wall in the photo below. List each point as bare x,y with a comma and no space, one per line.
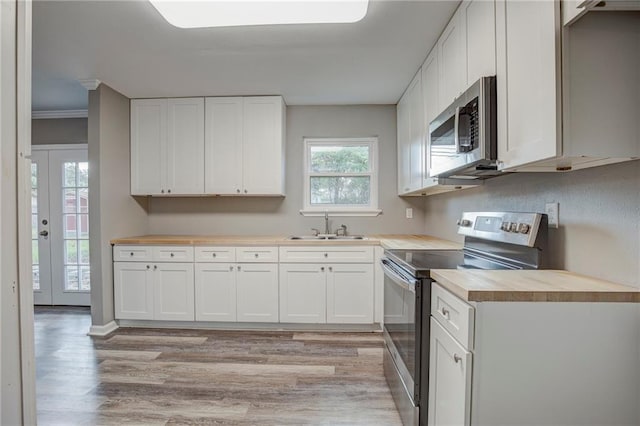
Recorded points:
228,215
114,213
53,131
599,233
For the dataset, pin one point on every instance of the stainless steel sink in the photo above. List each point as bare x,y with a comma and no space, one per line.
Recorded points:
326,237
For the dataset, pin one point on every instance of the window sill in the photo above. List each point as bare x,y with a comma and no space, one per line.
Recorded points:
341,213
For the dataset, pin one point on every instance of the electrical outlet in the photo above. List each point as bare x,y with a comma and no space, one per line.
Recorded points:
409,211
551,209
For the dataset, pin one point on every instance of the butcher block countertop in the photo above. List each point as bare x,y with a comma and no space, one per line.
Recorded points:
392,241
531,286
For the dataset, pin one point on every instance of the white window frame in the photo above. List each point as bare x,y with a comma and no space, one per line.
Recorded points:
341,210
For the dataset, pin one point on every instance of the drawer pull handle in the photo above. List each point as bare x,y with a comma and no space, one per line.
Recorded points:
445,312
214,255
457,358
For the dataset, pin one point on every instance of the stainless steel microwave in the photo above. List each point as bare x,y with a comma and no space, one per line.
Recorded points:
462,140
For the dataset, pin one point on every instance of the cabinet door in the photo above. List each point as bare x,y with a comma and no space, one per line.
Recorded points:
257,292
451,61
185,146
215,292
449,379
431,107
173,291
133,290
223,145
416,133
303,293
480,39
528,81
148,146
350,294
263,146
404,144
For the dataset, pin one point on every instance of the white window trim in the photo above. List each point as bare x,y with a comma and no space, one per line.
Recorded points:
343,210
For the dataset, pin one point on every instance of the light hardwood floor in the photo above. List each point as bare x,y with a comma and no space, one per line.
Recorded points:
168,377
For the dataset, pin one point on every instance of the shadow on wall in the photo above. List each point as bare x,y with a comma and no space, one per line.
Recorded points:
205,205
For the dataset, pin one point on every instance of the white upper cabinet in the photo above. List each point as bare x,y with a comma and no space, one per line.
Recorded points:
451,58
167,141
185,145
410,126
223,149
245,145
528,81
148,145
480,39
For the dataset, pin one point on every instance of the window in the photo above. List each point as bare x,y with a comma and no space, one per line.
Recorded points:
341,176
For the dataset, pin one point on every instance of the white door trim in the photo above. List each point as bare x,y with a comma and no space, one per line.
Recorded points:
59,146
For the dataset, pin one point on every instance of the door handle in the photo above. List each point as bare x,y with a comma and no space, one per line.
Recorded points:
44,233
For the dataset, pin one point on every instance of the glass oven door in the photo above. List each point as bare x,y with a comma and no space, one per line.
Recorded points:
402,306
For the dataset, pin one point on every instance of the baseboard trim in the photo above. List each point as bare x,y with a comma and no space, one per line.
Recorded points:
103,330
250,326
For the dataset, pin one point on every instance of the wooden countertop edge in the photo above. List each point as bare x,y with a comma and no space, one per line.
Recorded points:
474,295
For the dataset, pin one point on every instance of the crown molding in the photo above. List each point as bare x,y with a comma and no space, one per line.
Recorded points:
90,84
70,113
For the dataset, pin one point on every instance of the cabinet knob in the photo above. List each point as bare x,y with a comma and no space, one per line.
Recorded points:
148,267
169,191
238,191
330,268
238,267
322,268
172,255
256,255
457,358
131,254
245,191
326,255
444,312
162,191
155,267
213,254
231,268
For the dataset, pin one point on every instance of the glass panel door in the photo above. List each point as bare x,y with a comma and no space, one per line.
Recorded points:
40,242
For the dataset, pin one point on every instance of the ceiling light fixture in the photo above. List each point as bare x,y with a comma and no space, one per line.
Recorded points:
231,13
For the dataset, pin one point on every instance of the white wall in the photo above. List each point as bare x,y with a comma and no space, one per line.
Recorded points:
52,131
599,233
113,212
228,215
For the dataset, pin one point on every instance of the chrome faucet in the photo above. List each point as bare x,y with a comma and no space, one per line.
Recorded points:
326,222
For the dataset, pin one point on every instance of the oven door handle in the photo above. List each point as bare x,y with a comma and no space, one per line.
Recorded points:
409,285
456,133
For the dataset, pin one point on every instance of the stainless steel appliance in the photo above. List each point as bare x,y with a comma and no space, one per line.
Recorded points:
493,240
462,139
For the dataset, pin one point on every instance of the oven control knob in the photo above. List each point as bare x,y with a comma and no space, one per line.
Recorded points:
523,228
464,222
513,227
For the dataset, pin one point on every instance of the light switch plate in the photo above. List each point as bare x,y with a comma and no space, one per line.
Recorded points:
409,211
551,209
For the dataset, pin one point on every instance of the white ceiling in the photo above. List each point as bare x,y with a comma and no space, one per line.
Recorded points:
130,47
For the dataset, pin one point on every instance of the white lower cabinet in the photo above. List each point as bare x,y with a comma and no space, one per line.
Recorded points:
257,292
158,291
449,379
215,292
326,293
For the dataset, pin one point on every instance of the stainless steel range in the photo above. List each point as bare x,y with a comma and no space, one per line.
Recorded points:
493,240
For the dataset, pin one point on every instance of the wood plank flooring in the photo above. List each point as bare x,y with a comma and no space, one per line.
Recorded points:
203,377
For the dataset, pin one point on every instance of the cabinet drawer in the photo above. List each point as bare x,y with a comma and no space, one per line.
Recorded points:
332,254
173,254
132,253
455,315
215,254
257,254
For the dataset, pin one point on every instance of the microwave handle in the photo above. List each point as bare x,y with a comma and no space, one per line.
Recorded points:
456,123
